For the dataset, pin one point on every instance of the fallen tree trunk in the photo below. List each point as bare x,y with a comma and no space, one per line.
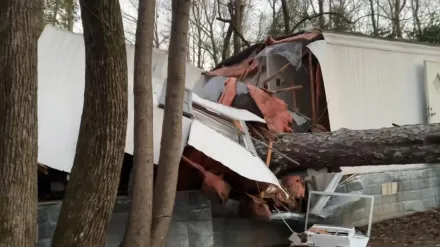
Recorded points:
410,144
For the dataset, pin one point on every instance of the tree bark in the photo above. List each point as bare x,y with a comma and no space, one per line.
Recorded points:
286,16
321,14
91,192
237,21
19,21
55,12
227,42
139,227
409,144
166,181
415,7
70,8
373,18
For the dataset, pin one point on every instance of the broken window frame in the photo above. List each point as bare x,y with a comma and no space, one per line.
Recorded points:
243,137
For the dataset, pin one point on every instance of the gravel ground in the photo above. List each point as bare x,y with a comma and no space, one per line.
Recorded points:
420,229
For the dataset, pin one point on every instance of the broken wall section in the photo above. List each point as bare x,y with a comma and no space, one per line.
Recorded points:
415,190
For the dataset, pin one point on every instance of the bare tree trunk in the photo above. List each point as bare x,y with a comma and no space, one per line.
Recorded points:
55,12
330,9
373,18
410,144
415,6
321,14
237,20
272,4
286,16
94,179
19,33
227,42
70,5
166,181
199,36
398,7
139,227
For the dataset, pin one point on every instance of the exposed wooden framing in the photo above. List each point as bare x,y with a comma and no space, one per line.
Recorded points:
275,74
269,154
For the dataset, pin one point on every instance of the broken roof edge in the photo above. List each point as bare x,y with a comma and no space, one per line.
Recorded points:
218,147
231,112
379,43
244,54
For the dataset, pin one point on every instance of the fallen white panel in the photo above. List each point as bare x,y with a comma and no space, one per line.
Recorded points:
231,112
229,153
61,71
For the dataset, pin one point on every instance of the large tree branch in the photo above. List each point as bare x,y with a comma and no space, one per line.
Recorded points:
311,17
409,144
235,30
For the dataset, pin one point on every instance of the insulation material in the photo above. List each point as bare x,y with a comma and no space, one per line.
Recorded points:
218,147
249,65
273,109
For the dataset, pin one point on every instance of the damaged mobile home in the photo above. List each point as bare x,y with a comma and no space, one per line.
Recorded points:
306,82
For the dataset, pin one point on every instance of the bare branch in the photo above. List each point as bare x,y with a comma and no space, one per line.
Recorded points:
311,17
235,30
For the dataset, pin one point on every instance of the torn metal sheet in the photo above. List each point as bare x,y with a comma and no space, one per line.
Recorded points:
228,111
331,187
230,153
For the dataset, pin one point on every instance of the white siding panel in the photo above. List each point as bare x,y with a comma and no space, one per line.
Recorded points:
372,83
372,88
61,69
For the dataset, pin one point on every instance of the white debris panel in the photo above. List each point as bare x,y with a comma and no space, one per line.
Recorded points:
230,154
228,111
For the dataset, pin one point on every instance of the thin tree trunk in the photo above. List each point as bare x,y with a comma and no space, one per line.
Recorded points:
410,144
91,192
138,233
227,43
373,19
238,22
286,16
70,7
18,121
55,12
321,14
415,6
166,181
398,7
200,40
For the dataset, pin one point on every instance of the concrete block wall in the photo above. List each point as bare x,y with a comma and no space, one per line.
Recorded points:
196,222
417,190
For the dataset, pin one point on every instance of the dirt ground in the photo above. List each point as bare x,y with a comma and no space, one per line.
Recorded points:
420,229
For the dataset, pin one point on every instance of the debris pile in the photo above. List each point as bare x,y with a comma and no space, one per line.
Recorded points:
262,80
